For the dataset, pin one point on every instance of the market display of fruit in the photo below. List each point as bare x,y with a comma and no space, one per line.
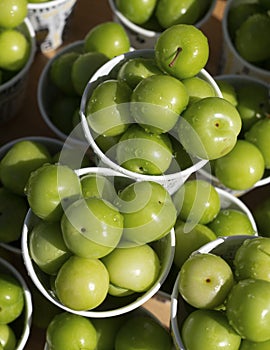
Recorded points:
134,177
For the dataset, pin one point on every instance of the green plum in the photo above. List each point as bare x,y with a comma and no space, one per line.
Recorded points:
188,240
247,309
137,11
252,41
228,91
11,205
15,49
197,201
250,345
8,339
11,298
82,283
47,247
205,280
258,134
142,332
148,210
157,101
209,329
182,50
134,268
144,152
84,66
19,161
198,88
252,259
107,109
109,38
50,189
96,185
209,128
12,13
133,70
242,167
71,332
92,227
229,222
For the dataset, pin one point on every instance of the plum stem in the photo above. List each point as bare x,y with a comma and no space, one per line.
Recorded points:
179,49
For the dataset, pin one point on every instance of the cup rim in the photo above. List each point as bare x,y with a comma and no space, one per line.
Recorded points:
46,4
228,41
28,306
139,301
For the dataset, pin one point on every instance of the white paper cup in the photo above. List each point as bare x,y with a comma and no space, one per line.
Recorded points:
171,181
50,20
237,81
225,247
24,321
47,93
12,92
112,306
142,38
53,146
232,62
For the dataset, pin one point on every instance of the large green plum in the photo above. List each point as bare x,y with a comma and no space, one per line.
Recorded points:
12,13
18,163
250,345
197,201
157,102
229,222
247,309
11,206
47,247
109,38
187,240
242,167
209,128
8,338
82,283
137,11
205,280
142,332
198,88
92,227
182,50
107,109
148,210
144,152
133,268
11,298
71,332
50,189
252,259
96,185
209,329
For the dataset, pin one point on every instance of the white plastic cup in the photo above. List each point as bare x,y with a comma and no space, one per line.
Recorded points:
12,92
225,247
113,306
50,20
47,93
142,38
236,81
53,146
24,321
172,181
232,62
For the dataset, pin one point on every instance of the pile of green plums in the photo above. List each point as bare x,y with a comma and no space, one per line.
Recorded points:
157,110
158,15
14,45
248,25
12,305
226,293
249,160
70,70
137,329
96,236
204,214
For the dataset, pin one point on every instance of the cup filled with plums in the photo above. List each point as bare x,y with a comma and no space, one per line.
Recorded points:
144,21
17,47
222,295
245,27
